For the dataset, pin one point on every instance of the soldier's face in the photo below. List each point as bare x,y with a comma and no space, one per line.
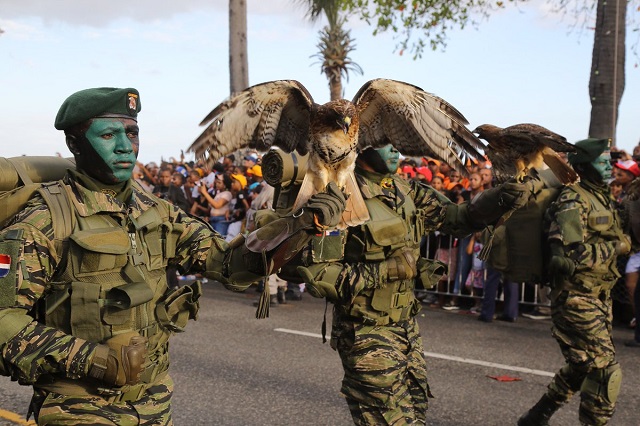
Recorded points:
390,156
110,149
603,165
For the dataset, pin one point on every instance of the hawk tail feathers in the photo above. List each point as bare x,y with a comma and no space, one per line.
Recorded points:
355,212
560,168
307,189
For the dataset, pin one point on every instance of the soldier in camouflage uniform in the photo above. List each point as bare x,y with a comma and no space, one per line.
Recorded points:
85,310
585,237
370,278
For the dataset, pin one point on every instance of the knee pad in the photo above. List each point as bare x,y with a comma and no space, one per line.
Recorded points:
603,382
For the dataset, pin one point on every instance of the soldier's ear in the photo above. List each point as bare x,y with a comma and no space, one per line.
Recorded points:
72,144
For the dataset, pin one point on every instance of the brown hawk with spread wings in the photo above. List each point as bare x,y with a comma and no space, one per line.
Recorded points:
514,150
282,113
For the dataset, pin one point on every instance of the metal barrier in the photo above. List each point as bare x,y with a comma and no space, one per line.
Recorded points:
447,249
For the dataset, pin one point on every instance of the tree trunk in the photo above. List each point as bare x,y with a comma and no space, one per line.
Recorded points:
238,62
335,87
606,83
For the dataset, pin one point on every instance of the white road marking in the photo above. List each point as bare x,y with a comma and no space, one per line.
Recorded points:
447,357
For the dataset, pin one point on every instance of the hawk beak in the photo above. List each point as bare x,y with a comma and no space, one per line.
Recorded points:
346,121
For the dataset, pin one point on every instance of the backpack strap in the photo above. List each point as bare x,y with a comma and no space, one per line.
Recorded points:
21,171
62,215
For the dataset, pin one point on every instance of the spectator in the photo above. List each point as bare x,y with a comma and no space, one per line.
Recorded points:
218,199
424,174
437,183
475,279
487,178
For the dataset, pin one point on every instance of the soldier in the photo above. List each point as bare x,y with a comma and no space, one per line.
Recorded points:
585,237
370,276
86,314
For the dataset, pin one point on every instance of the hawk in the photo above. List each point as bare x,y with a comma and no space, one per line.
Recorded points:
282,113
514,150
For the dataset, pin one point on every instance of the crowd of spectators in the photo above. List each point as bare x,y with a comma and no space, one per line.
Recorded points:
228,195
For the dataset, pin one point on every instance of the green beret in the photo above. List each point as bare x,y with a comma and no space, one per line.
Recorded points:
101,101
588,150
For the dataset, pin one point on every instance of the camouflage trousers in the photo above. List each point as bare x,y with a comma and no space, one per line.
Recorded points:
154,408
385,372
582,327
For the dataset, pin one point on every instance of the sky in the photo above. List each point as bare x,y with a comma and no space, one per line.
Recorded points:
523,65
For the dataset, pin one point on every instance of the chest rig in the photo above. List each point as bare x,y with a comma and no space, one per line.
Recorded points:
112,278
603,224
392,226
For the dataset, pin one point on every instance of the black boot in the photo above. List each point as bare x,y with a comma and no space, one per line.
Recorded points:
540,413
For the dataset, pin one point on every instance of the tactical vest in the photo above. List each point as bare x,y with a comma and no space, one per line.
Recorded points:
603,224
112,279
387,231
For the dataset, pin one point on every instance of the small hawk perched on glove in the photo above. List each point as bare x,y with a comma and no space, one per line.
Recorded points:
514,150
282,113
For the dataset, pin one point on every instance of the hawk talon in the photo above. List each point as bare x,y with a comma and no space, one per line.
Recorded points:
319,227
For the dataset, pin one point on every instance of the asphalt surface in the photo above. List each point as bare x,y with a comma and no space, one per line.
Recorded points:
231,369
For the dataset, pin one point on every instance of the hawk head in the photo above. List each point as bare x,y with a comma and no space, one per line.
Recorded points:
337,115
486,131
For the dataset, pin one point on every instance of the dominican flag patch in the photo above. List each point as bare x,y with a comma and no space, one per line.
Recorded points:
5,265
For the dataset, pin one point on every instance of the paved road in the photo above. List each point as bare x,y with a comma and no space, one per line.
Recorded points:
231,369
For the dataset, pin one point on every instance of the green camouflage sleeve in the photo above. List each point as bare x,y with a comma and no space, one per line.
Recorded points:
431,206
194,243
30,349
435,212
568,227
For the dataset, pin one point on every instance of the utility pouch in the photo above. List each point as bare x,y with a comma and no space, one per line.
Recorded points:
570,222
99,250
179,306
85,312
120,299
430,272
328,247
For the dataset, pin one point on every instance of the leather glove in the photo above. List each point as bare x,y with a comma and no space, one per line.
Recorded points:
120,360
328,206
562,265
317,288
515,195
402,265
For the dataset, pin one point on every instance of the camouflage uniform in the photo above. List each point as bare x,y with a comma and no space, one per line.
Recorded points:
374,328
55,347
581,303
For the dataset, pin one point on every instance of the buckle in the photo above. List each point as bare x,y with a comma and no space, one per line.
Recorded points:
109,391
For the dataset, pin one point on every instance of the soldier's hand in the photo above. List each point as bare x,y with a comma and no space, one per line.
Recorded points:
120,360
402,265
316,288
328,206
562,265
515,195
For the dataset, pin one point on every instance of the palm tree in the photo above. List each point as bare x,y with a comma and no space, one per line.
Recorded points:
606,83
335,44
238,61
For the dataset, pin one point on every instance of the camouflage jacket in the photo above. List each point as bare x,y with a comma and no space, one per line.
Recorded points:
37,349
592,250
363,271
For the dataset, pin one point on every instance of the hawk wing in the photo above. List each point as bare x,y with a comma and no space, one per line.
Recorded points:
533,133
417,123
275,113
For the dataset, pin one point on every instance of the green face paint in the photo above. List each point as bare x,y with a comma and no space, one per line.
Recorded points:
603,165
390,156
110,149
